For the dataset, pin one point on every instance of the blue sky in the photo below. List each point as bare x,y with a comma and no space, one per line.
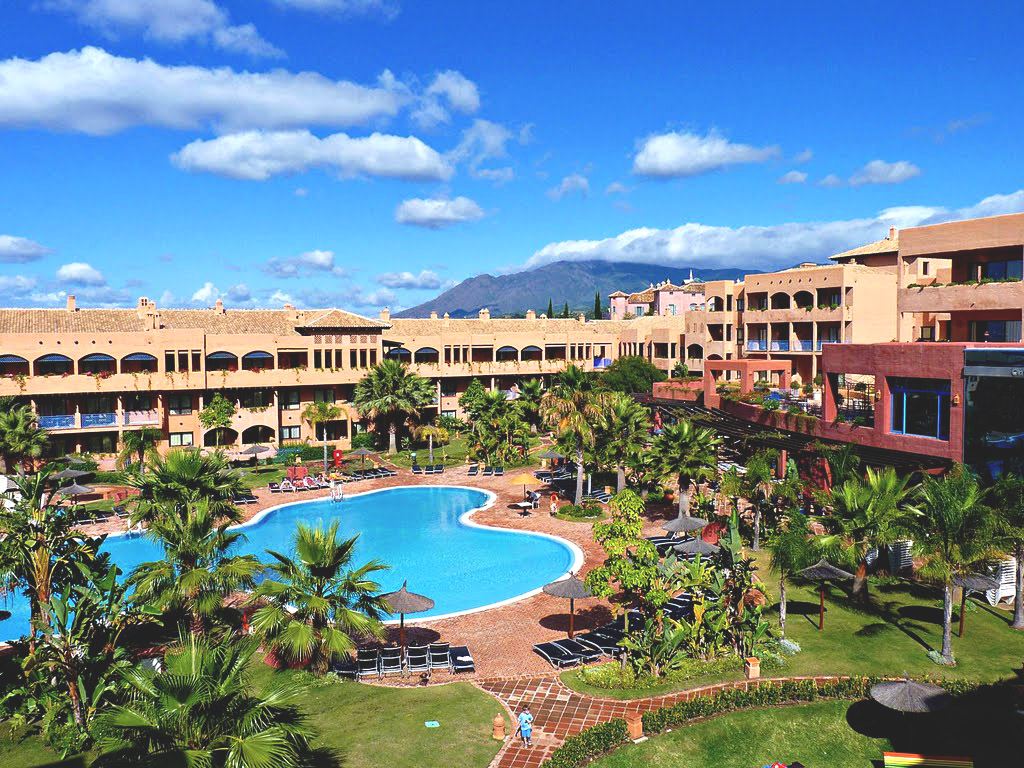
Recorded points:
359,154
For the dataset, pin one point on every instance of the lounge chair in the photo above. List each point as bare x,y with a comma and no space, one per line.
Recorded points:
499,471
274,487
474,470
390,661
345,668
417,469
121,512
461,659
417,658
586,653
367,662
488,471
556,655
439,658
439,469
608,645
906,759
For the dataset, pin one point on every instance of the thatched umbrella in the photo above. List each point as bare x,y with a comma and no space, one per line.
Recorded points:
402,602
362,453
550,453
910,696
70,459
74,491
821,572
972,582
696,547
254,450
68,474
572,589
684,524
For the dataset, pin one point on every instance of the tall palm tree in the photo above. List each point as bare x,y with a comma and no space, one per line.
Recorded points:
867,513
843,462
621,432
531,392
1009,495
184,477
430,433
20,435
321,413
792,549
758,486
688,454
140,444
198,569
570,407
314,602
200,709
390,394
955,533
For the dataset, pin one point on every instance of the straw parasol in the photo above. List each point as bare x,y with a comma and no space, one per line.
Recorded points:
910,696
684,524
550,453
74,491
402,602
254,450
696,547
70,459
362,453
572,589
972,582
525,479
821,572
68,474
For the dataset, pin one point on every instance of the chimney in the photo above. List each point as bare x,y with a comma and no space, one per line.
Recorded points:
485,314
447,320
218,307
531,315
892,233
71,302
433,314
384,314
582,317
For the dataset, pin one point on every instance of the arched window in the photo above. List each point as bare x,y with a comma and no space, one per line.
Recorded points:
506,353
803,299
13,365
54,365
97,363
780,301
399,353
530,353
426,355
138,362
257,361
221,361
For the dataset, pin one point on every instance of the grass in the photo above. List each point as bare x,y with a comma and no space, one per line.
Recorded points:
366,726
891,636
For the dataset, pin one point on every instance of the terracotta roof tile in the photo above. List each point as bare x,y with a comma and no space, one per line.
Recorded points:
879,246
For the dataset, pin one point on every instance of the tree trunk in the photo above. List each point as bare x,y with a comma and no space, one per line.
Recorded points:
782,606
325,447
76,700
579,477
757,528
1018,596
684,497
947,623
392,440
620,478
860,582
430,447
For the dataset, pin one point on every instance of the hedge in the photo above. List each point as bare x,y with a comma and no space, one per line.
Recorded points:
588,744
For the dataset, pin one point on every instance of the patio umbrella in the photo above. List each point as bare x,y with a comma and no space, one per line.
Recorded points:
684,524
821,572
696,547
972,582
550,453
402,602
74,491
362,453
254,450
910,696
73,459
572,589
524,479
68,474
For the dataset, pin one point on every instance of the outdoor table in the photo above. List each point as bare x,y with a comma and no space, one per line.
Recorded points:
524,507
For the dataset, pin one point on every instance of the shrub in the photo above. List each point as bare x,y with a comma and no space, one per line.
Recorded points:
587,511
363,440
588,744
613,677
107,478
315,452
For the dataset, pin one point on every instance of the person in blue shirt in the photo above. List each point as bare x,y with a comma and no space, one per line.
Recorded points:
525,729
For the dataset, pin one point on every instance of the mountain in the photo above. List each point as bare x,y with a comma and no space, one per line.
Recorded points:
560,281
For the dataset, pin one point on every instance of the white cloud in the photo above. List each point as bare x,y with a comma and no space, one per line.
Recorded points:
258,155
208,294
616,188
304,265
762,247
678,155
574,182
17,283
240,293
456,89
803,157
831,181
437,213
881,172
499,176
280,297
387,8
20,249
91,91
353,297
80,273
482,141
425,280
793,177
167,299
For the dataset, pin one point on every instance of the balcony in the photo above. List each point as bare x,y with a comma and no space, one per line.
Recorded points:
99,420
956,298
140,418
601,363
828,341
66,421
757,346
778,345
803,345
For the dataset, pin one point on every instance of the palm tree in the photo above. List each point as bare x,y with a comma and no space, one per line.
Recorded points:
198,569
843,462
314,602
321,413
570,407
1009,494
531,392
184,477
140,444
792,549
430,433
200,709
686,453
955,533
758,486
865,514
390,394
621,432
20,436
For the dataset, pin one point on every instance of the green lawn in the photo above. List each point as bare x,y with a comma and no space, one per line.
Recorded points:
451,455
367,726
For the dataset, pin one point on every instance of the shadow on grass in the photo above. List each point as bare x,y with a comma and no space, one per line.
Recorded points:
873,630
921,613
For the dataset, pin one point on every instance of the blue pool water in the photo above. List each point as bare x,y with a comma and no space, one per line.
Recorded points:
415,530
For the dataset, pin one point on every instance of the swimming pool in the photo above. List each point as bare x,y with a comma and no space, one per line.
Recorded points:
423,532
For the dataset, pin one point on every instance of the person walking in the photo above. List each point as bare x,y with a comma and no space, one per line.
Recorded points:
525,729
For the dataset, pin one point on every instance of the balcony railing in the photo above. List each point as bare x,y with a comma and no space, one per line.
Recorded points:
757,346
779,346
828,341
803,345
601,362
99,420
57,422
134,418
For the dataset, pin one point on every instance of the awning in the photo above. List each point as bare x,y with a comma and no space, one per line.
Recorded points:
97,357
508,349
221,356
139,357
12,359
426,351
531,348
53,359
258,356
